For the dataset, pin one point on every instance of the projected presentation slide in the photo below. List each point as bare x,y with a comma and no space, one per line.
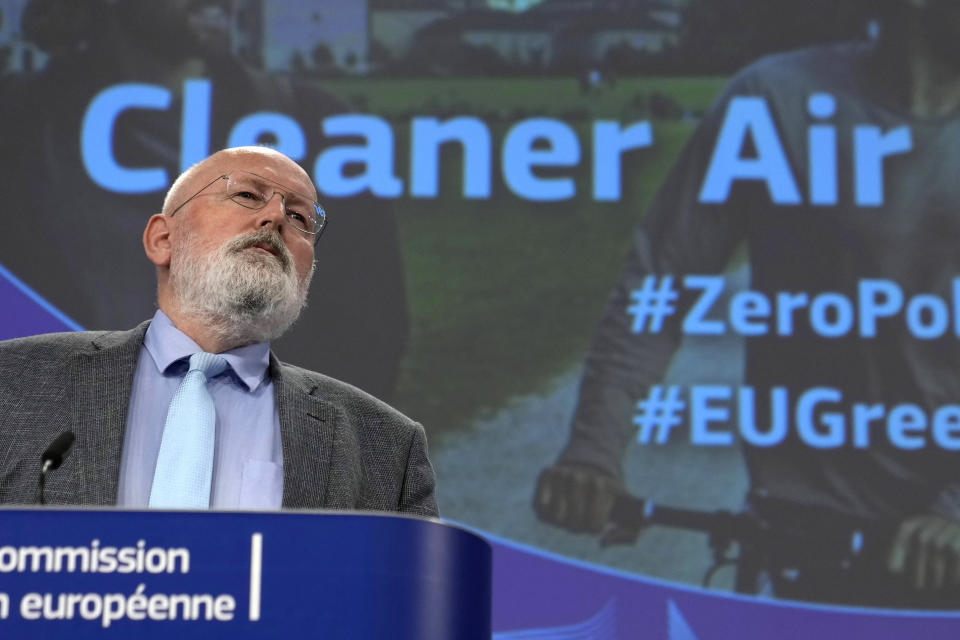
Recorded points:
673,285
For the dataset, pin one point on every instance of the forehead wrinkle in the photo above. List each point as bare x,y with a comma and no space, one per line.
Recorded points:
264,160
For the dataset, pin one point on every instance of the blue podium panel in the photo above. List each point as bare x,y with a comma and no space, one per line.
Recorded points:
115,573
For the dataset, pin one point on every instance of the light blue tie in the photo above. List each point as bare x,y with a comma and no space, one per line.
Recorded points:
185,464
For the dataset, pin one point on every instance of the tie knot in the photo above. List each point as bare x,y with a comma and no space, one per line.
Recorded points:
209,364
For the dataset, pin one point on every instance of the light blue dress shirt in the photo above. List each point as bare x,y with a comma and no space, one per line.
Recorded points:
248,457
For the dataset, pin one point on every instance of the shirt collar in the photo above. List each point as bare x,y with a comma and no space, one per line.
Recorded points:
167,345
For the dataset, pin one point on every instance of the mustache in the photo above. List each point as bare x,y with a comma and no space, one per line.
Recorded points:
268,237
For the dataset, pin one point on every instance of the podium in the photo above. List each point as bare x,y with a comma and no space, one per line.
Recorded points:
209,574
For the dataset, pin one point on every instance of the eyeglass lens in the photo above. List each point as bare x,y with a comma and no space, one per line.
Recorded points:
254,192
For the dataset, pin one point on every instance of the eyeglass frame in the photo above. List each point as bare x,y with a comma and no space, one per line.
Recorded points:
316,234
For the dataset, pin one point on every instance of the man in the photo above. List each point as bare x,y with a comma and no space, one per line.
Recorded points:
814,224
234,254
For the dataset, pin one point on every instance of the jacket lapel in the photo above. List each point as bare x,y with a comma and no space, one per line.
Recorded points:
102,380
308,426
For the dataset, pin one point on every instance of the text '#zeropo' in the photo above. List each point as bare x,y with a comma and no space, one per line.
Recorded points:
828,314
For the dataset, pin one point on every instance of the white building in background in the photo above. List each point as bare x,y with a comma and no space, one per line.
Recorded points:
571,33
518,43
21,55
512,5
297,30
644,38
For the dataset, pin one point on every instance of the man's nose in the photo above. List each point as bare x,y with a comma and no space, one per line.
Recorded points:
273,212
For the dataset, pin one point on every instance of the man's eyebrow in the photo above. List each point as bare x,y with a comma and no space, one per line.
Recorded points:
264,181
261,182
300,197
298,193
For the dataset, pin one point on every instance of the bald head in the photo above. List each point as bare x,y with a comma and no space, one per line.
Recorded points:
261,160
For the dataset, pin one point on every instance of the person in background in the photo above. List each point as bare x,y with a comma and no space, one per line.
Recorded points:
903,228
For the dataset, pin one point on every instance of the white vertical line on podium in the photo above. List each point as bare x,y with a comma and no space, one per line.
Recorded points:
256,567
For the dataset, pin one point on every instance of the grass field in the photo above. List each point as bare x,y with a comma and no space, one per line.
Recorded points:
540,96
504,293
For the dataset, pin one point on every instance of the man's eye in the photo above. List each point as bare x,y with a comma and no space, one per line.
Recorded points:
296,216
247,195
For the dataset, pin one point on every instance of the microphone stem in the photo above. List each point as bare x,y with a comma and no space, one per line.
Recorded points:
40,498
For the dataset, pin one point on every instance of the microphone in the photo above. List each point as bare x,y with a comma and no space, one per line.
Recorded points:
57,452
53,457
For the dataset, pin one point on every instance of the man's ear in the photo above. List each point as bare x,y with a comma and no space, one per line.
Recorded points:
156,240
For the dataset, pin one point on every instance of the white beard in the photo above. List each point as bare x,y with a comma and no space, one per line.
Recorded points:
243,295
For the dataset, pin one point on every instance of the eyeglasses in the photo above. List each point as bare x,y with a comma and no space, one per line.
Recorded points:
252,191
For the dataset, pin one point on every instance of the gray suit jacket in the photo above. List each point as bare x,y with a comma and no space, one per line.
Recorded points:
342,448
